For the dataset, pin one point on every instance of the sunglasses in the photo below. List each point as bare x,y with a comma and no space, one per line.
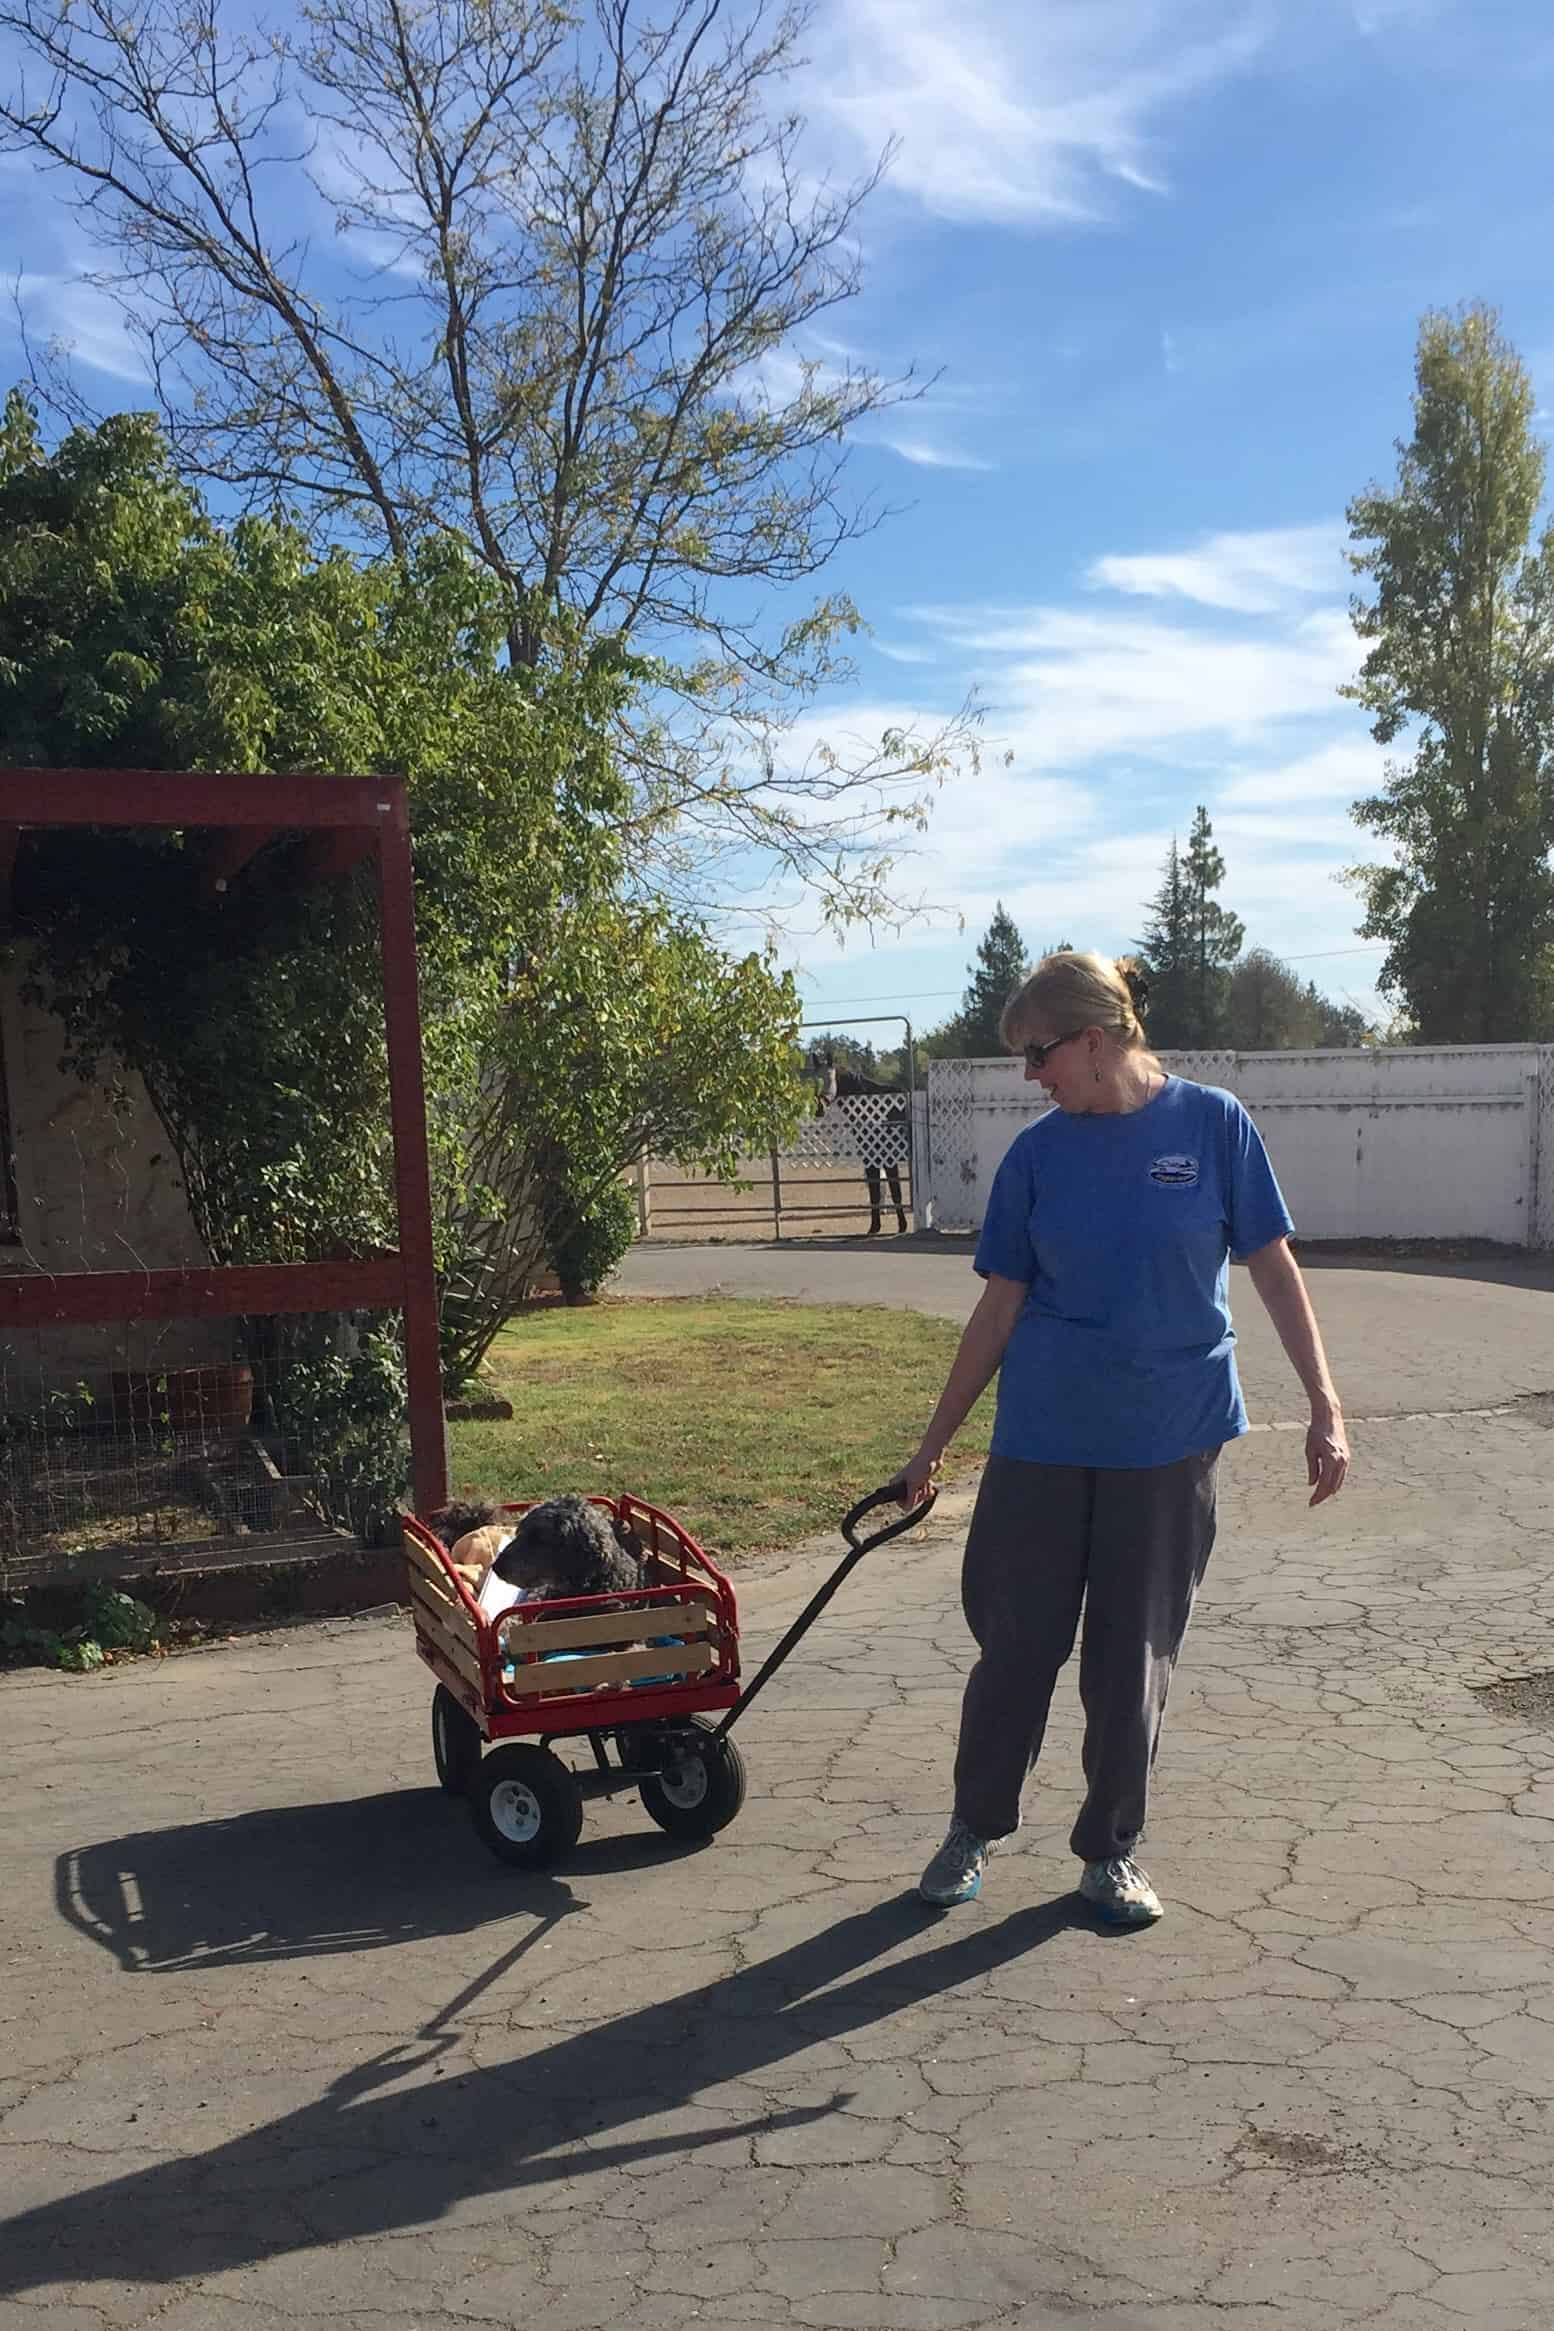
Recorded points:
1037,1055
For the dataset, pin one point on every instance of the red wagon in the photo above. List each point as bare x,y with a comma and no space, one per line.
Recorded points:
640,1677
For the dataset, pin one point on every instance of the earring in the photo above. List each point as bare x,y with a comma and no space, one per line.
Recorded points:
1097,1072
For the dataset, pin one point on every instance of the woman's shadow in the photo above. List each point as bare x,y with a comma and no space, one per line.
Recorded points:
373,2154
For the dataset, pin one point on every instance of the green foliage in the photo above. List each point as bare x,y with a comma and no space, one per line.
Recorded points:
1460,662
1217,936
342,1402
852,1052
1000,967
1268,1008
565,1016
585,1251
605,235
67,1409
1189,945
111,1622
1166,954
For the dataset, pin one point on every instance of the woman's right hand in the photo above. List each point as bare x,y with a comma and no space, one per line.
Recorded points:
916,1478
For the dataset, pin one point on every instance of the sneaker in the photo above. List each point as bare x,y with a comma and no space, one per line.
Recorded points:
1121,1892
955,1873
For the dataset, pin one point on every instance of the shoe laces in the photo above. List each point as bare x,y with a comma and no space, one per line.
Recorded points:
961,1838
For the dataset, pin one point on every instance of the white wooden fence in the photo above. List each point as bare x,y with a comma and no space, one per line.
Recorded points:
1456,1142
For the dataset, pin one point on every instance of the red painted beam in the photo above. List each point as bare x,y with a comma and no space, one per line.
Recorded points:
412,1179
82,1298
336,852
181,798
227,855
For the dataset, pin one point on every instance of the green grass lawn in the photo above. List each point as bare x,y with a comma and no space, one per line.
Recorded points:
754,1423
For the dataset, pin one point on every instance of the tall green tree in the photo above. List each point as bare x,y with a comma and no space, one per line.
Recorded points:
1269,1008
1167,954
597,371
1460,669
1000,966
569,1024
1217,935
828,1044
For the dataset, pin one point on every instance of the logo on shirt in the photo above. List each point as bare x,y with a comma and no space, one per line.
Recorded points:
1177,1172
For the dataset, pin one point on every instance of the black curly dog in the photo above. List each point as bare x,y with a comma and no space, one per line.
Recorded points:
562,1548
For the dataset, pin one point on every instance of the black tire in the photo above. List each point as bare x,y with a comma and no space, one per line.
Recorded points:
527,1805
455,1742
701,1791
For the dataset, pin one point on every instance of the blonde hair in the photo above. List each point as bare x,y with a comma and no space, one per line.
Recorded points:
1071,991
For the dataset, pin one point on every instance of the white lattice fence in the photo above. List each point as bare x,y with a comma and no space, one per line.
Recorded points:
869,1129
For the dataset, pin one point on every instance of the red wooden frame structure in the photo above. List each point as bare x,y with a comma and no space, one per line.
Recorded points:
346,820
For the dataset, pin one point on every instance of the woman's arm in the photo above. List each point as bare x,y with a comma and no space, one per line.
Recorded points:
1276,1275
975,1365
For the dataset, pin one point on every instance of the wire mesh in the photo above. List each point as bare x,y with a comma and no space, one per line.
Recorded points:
181,1441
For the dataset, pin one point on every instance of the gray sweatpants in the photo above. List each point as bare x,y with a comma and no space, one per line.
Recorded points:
1132,1545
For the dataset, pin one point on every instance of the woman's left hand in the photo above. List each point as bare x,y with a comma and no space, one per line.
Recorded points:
1327,1455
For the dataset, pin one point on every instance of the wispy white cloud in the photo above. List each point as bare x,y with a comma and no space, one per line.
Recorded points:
1067,686
1107,722
1375,18
1246,573
1020,117
927,453
904,655
1341,770
79,317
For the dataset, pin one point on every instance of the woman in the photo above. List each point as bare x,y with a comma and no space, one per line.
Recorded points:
1106,1250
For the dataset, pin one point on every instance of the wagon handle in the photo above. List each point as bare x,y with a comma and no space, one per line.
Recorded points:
856,1549
886,1496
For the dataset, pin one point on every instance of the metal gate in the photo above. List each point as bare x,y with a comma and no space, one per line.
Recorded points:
850,1166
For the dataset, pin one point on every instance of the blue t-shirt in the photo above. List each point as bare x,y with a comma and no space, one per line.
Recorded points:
1123,1227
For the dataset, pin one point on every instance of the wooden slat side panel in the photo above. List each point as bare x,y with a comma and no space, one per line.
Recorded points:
449,1677
430,1570
548,1676
456,1649
534,1636
445,1608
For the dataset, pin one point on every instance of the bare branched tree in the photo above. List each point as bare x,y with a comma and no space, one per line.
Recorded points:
570,309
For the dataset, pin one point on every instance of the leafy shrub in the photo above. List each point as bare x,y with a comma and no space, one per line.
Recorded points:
111,1622
344,1413
587,1251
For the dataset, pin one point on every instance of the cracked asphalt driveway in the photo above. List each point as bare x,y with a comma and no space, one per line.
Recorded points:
283,2047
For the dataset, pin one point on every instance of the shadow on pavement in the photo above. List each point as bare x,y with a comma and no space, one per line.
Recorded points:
1494,1267
361,2161
303,1881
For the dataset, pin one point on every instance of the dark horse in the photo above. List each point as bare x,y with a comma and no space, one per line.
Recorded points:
885,1137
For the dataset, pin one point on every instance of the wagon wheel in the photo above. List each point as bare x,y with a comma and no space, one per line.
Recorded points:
455,1742
526,1804
701,1785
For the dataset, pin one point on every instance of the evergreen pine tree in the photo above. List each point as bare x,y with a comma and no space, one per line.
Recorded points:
998,971
1166,954
1217,935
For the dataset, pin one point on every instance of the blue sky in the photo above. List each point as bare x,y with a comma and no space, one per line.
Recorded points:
1169,257
1172,260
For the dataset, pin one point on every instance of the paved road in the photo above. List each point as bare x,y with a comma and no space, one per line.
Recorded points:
283,2049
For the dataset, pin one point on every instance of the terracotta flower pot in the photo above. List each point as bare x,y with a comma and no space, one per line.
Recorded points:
215,1402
